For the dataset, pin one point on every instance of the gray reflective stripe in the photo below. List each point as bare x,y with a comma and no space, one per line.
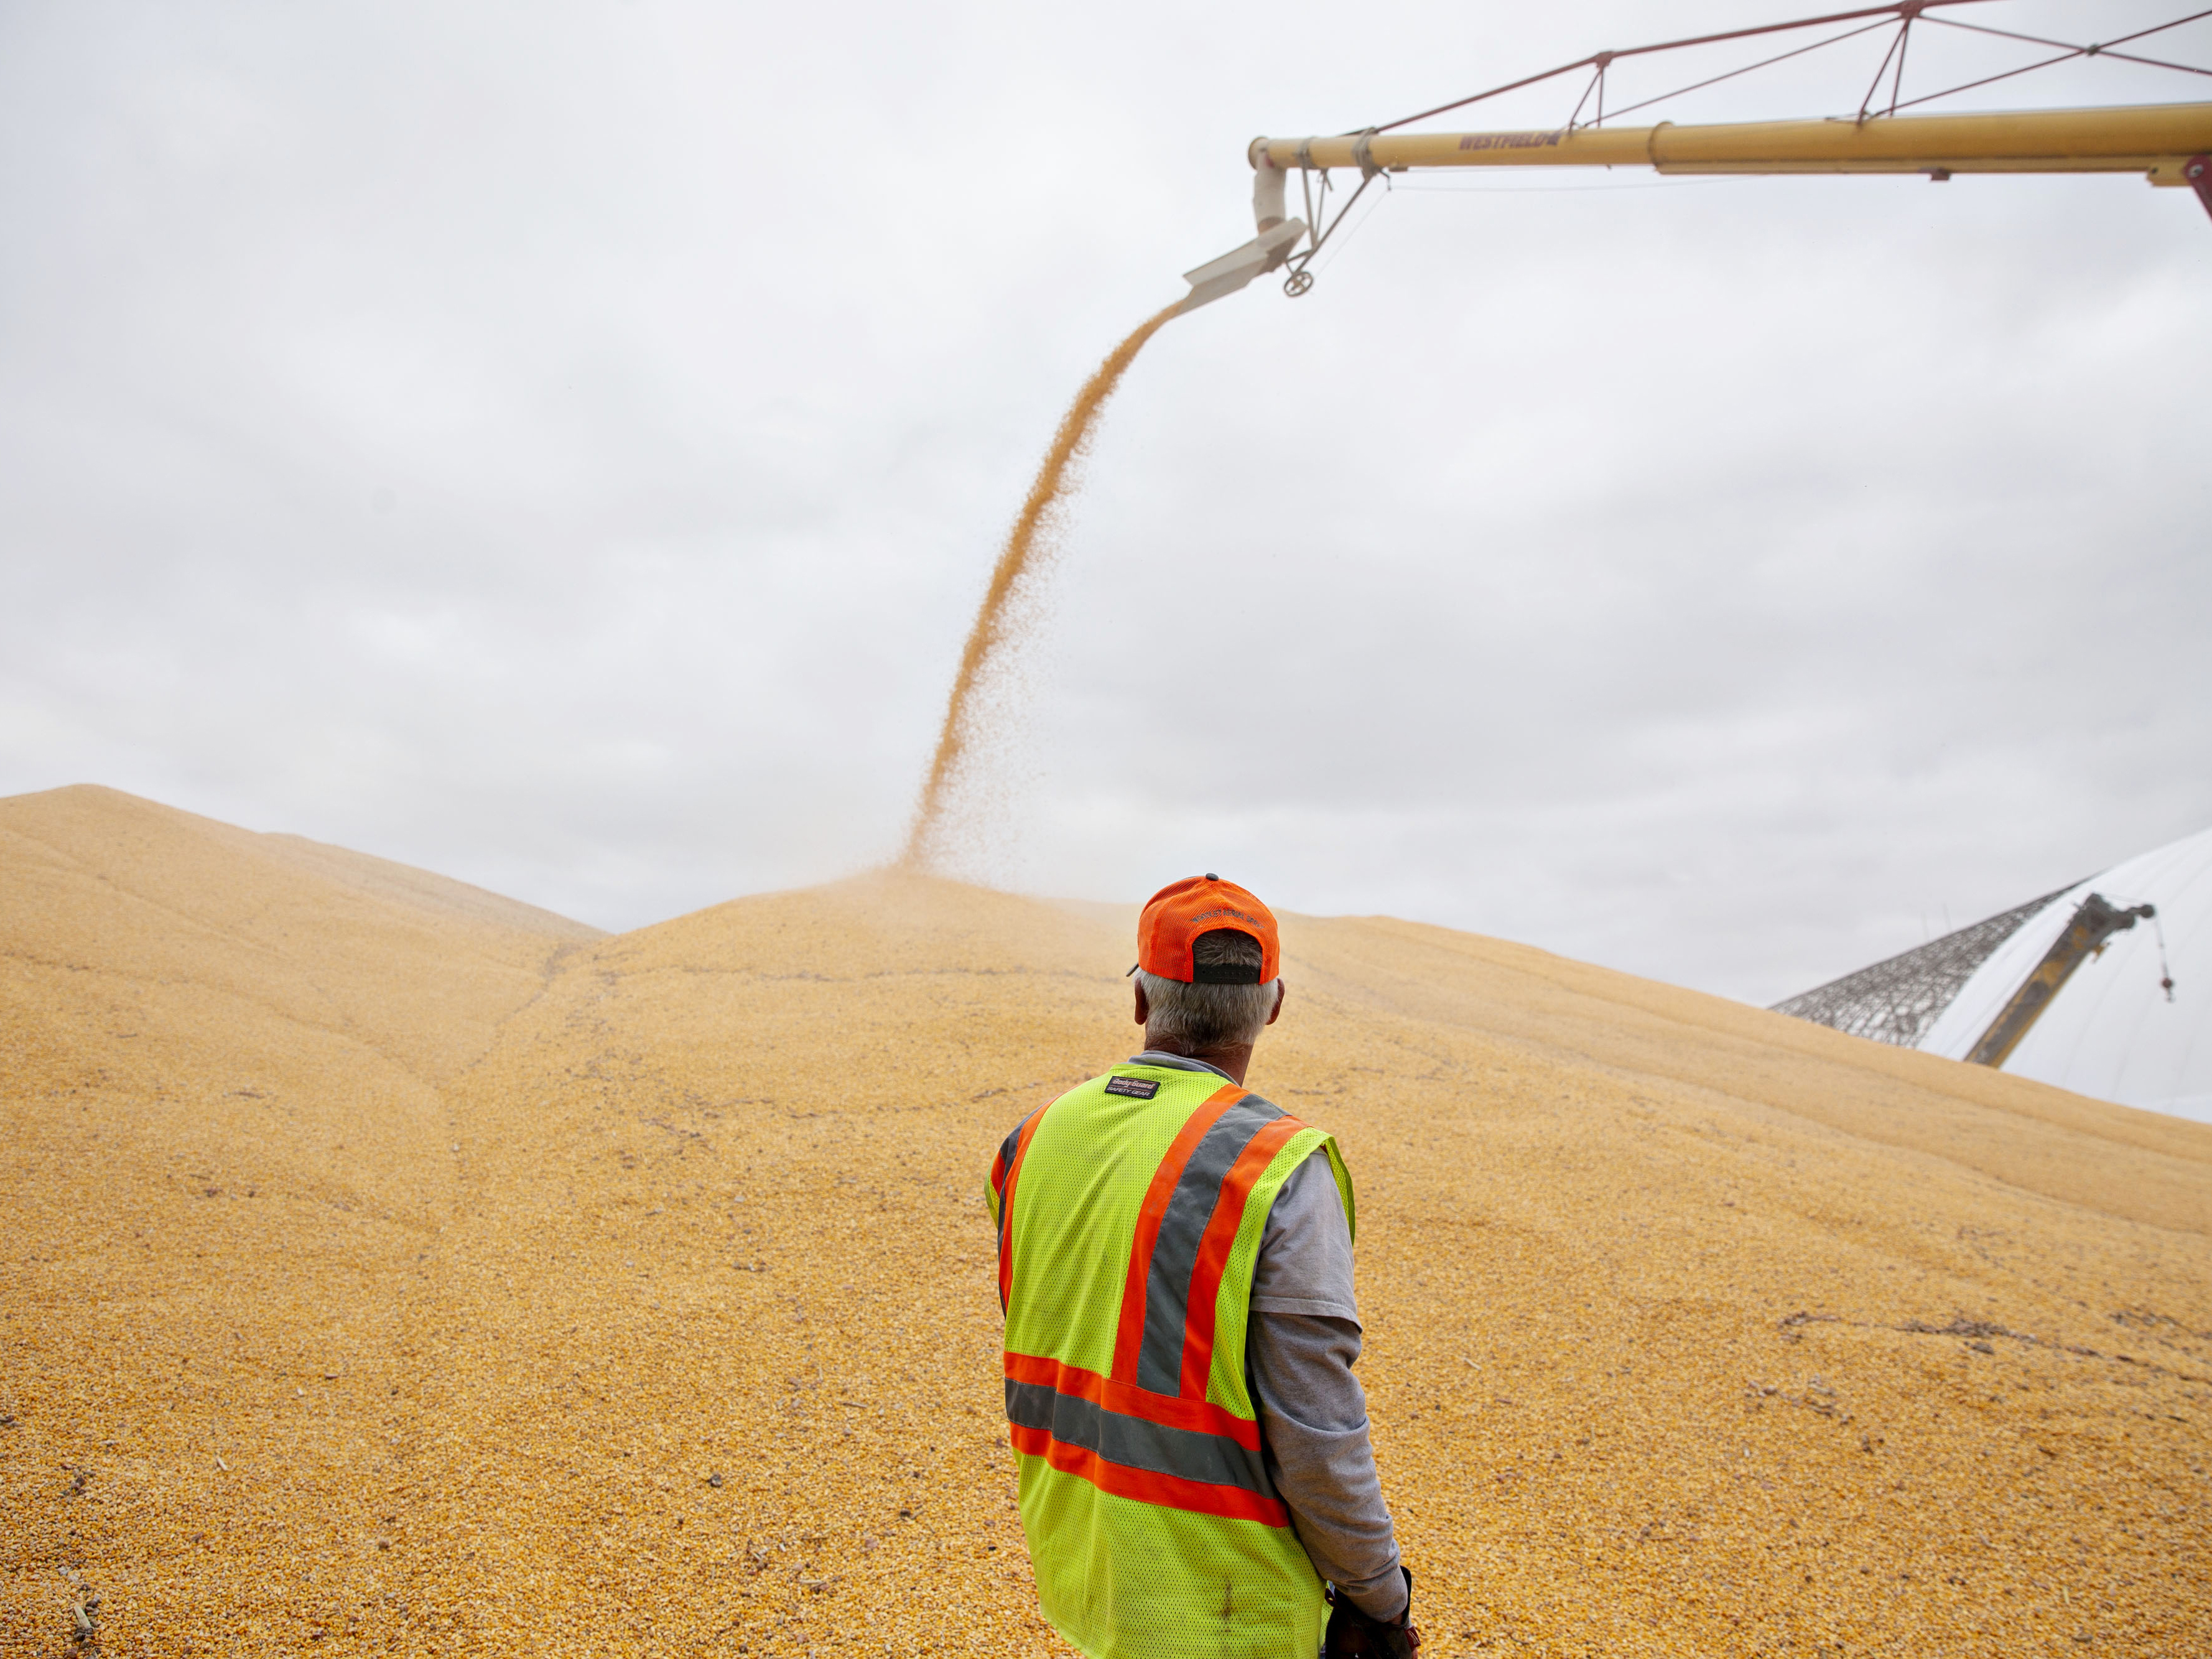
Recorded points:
1175,1253
1005,1184
1134,1444
1006,1149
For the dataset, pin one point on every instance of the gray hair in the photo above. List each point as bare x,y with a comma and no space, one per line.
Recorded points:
1206,1016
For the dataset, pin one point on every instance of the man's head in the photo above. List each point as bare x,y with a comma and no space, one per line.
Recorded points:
1207,969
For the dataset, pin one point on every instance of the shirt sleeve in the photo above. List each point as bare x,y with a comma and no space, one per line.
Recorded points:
1299,1348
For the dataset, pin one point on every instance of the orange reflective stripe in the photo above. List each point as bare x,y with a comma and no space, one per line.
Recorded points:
1171,1491
1129,1336
1013,1170
1213,1250
1195,1416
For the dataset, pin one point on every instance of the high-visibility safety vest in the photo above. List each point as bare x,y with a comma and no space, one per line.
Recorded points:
1129,1213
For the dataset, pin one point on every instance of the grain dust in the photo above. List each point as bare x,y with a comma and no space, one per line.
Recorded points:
389,1269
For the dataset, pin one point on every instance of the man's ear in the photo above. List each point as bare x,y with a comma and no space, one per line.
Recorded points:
1144,1006
1275,1013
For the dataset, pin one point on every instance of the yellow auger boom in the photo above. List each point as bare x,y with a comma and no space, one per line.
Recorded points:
2169,143
2157,139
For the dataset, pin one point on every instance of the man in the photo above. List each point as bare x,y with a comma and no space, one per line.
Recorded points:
1175,1261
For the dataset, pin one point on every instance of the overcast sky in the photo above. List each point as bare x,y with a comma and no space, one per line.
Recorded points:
562,445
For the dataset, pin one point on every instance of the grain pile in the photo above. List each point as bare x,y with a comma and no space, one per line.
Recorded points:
389,1269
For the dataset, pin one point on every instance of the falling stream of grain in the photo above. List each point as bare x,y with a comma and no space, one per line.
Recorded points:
994,627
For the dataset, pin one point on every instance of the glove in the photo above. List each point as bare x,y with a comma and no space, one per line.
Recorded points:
1352,1632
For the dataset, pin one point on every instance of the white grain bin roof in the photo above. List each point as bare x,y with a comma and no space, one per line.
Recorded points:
2111,1032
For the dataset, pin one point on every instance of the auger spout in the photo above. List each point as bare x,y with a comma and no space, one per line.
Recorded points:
1278,236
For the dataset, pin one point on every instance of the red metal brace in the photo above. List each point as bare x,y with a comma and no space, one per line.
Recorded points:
2197,169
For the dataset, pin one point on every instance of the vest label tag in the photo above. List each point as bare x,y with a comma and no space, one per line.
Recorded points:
1137,1088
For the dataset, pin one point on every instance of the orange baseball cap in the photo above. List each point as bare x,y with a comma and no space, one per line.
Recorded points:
1179,913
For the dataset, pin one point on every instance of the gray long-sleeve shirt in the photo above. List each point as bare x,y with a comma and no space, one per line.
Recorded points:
1299,1348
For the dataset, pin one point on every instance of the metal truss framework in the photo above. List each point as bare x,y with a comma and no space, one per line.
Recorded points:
1898,1000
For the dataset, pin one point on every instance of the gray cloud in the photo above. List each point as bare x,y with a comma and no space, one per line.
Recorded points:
561,446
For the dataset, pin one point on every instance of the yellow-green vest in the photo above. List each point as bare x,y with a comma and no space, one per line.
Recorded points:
1129,1214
